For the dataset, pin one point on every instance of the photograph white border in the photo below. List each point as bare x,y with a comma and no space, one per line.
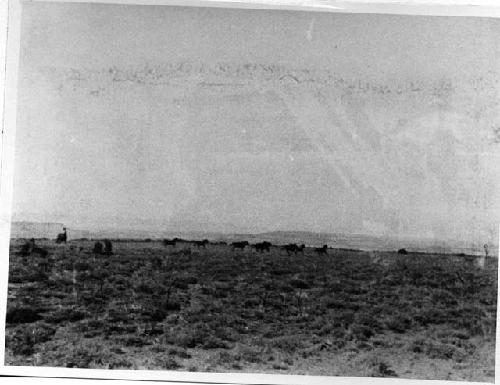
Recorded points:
10,16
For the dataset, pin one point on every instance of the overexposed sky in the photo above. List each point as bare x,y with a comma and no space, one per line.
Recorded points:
255,120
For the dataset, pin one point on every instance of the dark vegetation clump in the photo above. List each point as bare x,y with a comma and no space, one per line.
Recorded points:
442,350
170,364
22,315
23,341
27,248
61,315
384,370
399,323
182,353
289,344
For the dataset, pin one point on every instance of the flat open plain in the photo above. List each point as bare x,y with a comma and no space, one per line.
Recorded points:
347,313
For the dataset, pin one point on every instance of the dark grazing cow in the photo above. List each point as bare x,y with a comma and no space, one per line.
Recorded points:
108,247
402,251
263,246
290,248
203,243
293,248
41,252
98,248
168,242
62,237
239,245
29,248
321,250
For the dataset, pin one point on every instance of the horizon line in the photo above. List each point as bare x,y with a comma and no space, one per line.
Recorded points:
257,233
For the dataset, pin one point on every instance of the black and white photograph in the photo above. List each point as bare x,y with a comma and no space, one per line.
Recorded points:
209,189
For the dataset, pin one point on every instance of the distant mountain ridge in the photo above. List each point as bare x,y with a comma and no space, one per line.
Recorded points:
374,242
25,229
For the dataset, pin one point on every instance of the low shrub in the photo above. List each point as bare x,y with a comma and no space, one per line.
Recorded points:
145,288
136,341
86,356
213,342
299,284
184,340
196,336
171,364
338,304
370,321
362,345
431,316
22,314
326,330
225,358
23,341
181,353
444,297
343,318
398,323
439,350
38,276
226,333
184,282
120,364
171,305
384,370
81,266
251,356
158,315
288,344
362,332
24,347
67,314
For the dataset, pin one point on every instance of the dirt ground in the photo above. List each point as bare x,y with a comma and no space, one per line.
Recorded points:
188,308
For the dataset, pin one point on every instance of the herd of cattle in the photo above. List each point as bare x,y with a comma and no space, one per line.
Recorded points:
30,248
264,246
106,247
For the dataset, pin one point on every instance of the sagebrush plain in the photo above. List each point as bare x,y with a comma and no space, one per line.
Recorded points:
216,309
